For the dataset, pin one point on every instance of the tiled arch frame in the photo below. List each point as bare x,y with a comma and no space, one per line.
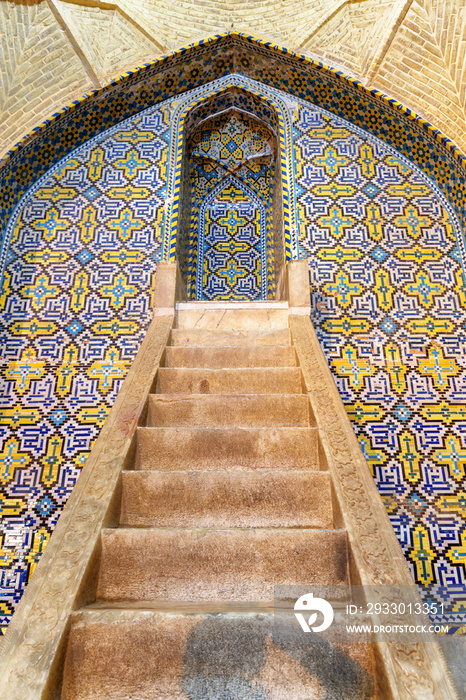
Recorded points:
177,148
220,56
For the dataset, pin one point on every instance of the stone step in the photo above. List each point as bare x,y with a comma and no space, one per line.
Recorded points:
226,499
218,358
262,380
217,565
209,449
224,411
201,337
232,316
148,654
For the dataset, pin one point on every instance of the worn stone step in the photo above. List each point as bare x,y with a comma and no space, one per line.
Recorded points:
209,565
202,337
226,448
234,411
218,358
148,654
226,499
232,316
261,380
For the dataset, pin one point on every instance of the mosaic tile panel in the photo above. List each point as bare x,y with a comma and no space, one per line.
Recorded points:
389,307
194,99
232,258
231,173
237,99
74,307
231,139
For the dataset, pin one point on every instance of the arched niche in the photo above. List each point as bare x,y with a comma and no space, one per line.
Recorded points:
226,245
241,138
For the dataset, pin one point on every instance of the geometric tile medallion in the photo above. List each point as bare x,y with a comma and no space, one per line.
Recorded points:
388,304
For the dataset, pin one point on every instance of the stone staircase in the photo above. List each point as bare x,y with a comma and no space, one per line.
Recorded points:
226,497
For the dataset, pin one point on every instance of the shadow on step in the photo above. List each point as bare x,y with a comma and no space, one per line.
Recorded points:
224,659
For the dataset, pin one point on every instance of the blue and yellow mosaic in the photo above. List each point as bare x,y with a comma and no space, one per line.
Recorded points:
232,255
386,258
231,173
75,304
224,90
389,306
216,57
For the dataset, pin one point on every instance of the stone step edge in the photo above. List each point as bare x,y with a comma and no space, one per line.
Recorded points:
228,305
169,399
246,530
233,331
230,430
172,375
293,368
242,332
156,395
224,529
229,337
176,608
226,347
231,349
262,472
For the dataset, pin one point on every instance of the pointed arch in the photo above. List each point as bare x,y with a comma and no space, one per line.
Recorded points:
193,100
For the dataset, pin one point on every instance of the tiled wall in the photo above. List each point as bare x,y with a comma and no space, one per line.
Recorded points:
231,172
389,306
75,304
